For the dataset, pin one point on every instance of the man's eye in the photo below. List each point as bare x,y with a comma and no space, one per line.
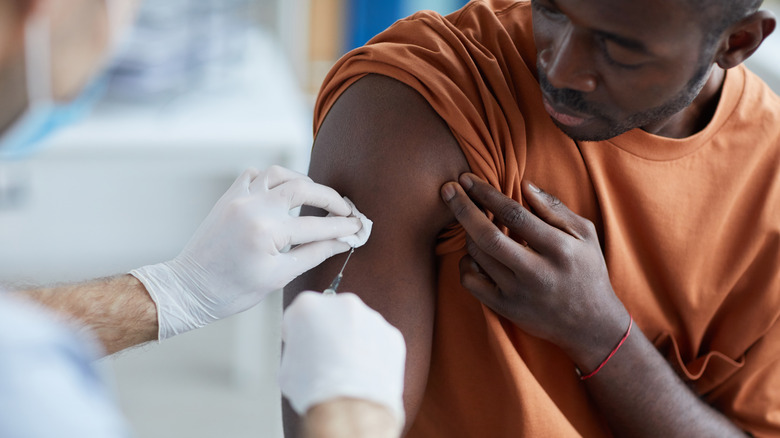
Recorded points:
620,56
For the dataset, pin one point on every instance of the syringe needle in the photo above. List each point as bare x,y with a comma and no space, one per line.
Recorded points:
334,285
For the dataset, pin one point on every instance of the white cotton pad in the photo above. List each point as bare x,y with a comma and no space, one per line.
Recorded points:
361,237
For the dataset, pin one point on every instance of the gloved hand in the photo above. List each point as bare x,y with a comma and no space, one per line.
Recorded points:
336,346
236,256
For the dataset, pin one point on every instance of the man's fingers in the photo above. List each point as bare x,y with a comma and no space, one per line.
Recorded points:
554,212
482,286
477,282
307,229
484,233
497,270
521,222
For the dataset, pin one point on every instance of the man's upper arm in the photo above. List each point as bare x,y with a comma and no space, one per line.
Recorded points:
385,148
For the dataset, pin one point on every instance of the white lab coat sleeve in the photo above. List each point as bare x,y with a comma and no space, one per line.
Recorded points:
49,386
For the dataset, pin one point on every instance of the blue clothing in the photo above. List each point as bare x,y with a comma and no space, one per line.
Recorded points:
48,384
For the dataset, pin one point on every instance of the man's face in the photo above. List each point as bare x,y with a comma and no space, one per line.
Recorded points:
609,66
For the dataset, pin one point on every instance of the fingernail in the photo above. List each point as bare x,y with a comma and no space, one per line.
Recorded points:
448,192
534,188
466,181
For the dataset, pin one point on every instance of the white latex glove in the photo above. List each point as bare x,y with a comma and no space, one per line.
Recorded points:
336,346
235,257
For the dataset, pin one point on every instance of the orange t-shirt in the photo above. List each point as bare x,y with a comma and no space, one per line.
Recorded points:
690,230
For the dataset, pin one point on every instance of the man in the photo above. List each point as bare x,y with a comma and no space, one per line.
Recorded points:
50,50
638,117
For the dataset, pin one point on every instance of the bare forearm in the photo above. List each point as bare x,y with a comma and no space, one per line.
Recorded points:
117,310
641,396
350,418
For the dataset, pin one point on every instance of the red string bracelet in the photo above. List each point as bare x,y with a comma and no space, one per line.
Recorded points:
615,350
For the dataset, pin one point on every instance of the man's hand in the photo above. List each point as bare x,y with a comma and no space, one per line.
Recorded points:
238,255
549,278
556,287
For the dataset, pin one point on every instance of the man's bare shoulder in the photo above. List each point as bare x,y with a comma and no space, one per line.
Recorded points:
383,146
382,133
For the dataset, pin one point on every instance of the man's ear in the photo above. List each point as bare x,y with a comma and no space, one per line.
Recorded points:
743,38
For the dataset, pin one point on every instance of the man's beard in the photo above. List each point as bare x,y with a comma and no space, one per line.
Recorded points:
576,101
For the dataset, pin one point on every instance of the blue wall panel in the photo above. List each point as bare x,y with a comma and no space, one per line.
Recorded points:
367,18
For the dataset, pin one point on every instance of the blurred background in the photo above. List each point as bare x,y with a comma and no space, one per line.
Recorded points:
200,90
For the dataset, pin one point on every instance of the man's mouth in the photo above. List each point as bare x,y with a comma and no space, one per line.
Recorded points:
564,116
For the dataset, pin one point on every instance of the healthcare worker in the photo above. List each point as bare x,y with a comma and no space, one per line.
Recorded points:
333,369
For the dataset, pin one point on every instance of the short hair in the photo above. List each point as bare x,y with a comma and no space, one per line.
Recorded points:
715,16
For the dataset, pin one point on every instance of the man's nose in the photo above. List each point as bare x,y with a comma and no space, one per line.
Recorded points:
568,61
